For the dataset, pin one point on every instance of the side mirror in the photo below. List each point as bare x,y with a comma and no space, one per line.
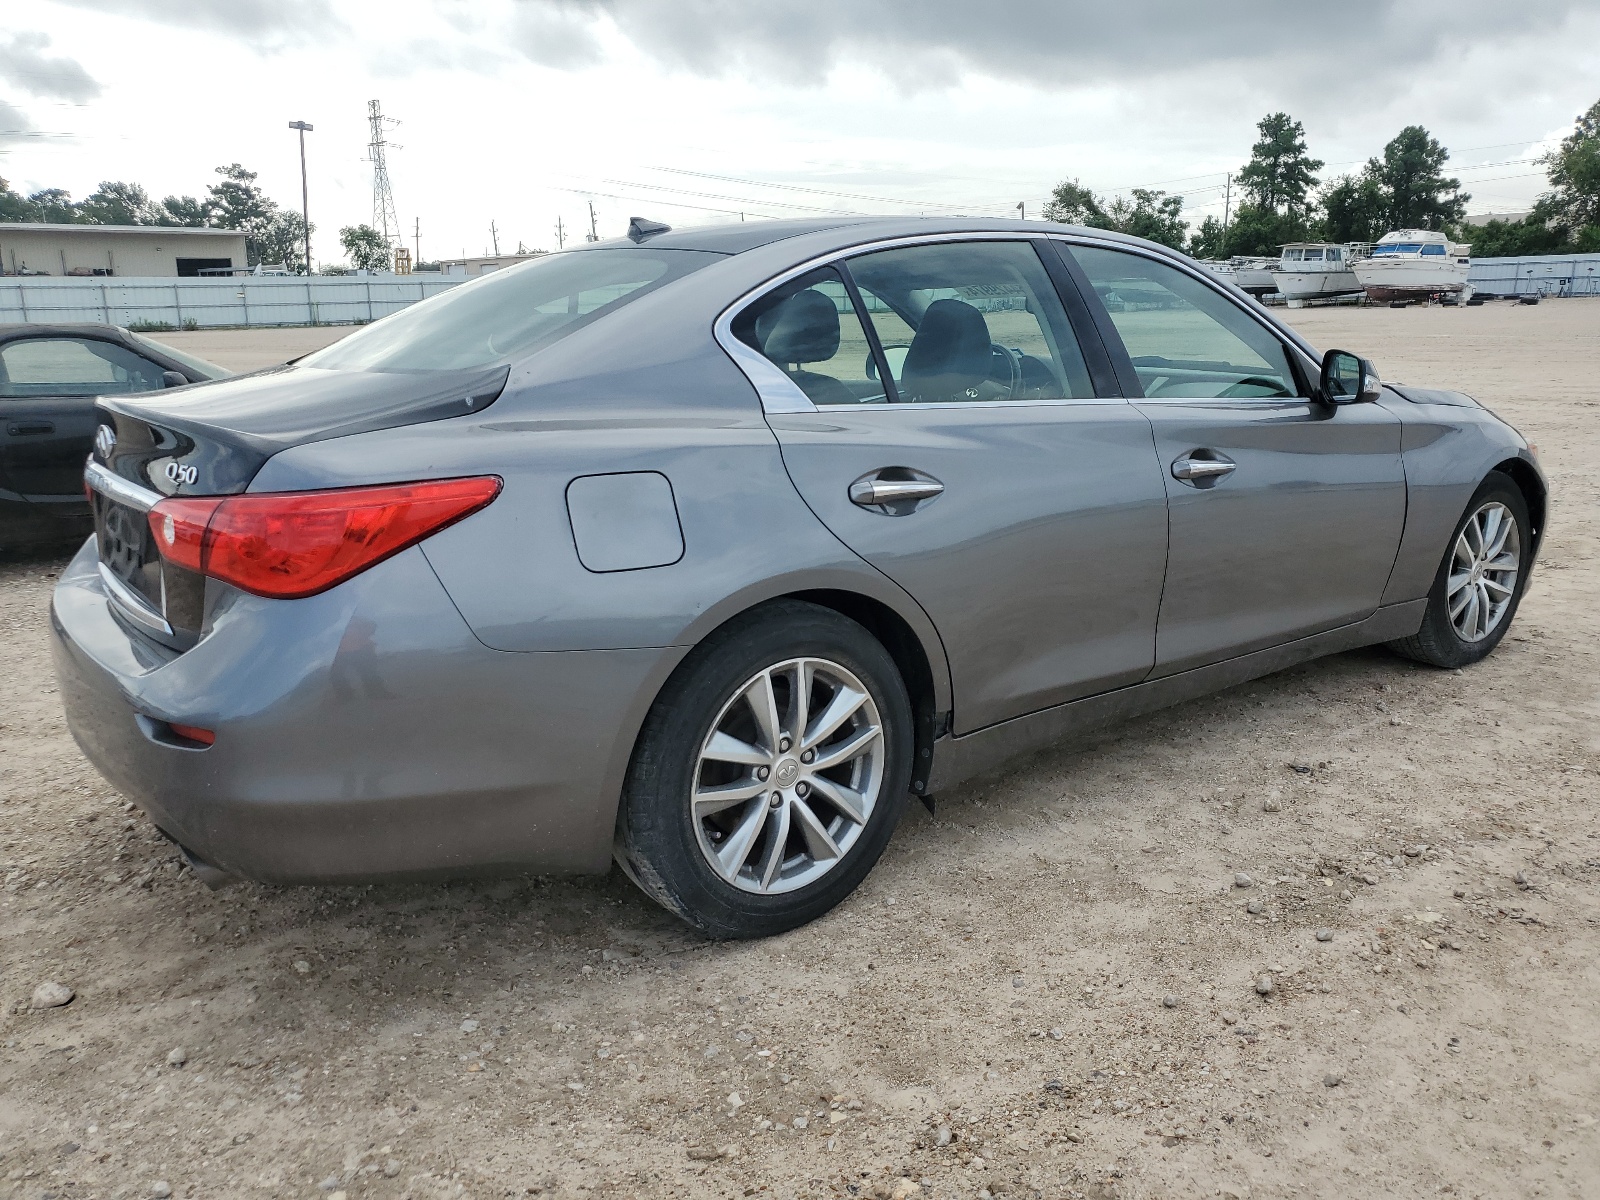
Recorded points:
1348,379
179,379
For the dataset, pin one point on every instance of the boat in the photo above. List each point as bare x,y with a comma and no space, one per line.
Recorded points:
1221,269
1410,264
1312,270
1254,275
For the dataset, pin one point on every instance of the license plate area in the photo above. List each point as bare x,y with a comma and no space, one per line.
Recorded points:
128,550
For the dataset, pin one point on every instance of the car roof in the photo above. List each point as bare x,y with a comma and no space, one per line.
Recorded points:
740,236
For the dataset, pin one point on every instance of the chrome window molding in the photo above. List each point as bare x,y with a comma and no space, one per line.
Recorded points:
119,489
779,394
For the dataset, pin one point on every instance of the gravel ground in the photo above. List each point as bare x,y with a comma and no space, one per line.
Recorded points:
1057,987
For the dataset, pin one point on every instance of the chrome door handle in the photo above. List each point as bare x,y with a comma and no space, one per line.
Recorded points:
874,491
1189,467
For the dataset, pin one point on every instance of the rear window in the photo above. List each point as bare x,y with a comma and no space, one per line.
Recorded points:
510,312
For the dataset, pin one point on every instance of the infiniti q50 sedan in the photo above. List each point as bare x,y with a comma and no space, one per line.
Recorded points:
706,550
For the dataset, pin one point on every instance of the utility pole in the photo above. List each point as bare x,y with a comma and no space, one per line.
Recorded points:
305,203
416,237
561,235
594,235
494,236
1022,210
1227,203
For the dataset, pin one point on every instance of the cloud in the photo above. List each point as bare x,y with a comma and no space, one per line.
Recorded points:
263,24
14,126
922,44
24,64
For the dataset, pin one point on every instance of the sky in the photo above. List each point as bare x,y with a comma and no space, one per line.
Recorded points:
521,113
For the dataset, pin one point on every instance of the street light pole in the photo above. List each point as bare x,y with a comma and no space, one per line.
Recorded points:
305,205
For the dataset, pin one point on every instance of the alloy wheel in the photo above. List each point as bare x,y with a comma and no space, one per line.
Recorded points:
1483,572
789,776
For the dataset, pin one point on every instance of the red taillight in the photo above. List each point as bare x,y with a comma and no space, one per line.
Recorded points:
291,544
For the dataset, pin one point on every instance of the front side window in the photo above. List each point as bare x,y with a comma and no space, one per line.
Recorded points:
1185,339
808,329
1432,248
509,313
965,321
73,367
1396,248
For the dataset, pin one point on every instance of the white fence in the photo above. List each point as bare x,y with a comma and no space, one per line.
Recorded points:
243,300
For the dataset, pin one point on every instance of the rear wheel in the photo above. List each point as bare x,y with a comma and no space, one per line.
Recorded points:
1480,583
769,774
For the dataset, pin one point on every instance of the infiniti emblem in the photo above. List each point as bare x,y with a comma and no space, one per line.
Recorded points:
105,440
786,772
181,474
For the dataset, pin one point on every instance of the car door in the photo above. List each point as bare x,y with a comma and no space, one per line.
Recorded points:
954,438
48,387
1286,513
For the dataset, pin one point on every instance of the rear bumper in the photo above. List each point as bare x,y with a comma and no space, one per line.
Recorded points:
360,734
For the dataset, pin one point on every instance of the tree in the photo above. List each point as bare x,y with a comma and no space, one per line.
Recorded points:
53,205
1208,240
1256,231
365,246
1508,239
12,206
1354,209
283,240
1073,204
1280,173
1153,215
117,203
1574,170
181,211
1418,195
237,203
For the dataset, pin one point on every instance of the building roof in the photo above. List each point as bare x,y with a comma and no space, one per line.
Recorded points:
46,227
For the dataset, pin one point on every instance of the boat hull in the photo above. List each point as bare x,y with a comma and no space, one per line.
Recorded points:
1405,278
1309,285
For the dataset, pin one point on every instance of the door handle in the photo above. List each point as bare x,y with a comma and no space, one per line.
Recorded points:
1194,470
30,428
895,496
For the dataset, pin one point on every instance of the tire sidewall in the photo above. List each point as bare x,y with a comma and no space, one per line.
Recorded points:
656,827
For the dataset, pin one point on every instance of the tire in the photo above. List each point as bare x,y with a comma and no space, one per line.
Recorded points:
1440,641
668,843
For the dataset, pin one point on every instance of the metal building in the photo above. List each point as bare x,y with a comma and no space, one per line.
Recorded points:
1544,274
143,251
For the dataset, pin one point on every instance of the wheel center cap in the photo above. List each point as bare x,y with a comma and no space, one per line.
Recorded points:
786,772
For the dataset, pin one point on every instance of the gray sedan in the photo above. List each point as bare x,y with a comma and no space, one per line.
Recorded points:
706,550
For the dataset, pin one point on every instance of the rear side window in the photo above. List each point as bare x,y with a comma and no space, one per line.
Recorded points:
509,313
1185,338
809,330
73,367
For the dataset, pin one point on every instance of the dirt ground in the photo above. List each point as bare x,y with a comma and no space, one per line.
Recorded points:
988,1016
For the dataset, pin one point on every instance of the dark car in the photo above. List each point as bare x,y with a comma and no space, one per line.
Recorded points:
50,377
704,549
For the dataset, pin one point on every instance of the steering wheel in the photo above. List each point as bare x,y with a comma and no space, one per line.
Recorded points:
1005,369
1274,386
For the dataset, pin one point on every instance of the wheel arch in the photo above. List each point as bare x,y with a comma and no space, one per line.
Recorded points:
1534,493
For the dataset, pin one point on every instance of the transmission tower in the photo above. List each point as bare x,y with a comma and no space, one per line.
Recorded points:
384,219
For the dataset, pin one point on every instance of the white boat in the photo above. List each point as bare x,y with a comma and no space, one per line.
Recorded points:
1254,275
1411,263
1219,268
1309,270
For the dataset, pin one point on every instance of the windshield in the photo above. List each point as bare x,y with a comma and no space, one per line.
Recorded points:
510,312
196,366
1397,248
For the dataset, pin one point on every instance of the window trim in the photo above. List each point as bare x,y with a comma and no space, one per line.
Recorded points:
780,395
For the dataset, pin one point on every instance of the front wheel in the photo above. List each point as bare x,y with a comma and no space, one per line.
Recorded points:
769,774
1480,583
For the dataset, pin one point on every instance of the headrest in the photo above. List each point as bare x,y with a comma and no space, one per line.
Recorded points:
804,328
949,354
